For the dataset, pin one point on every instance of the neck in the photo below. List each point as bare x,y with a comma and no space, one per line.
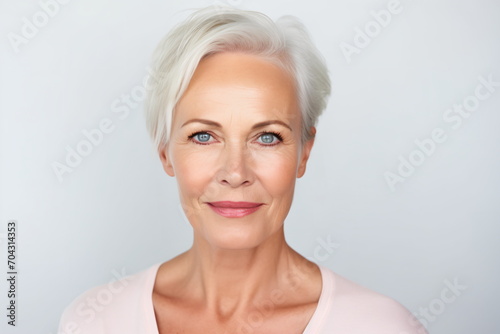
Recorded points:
229,281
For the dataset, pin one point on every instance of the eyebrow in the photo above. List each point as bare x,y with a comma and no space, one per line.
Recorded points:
255,126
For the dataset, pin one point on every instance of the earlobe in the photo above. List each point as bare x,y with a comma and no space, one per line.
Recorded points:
306,151
165,160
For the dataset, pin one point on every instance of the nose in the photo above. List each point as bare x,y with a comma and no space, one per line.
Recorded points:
235,166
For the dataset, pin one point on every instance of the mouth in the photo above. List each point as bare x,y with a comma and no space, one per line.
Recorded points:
230,209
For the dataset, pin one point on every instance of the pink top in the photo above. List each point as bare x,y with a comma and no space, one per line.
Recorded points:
126,307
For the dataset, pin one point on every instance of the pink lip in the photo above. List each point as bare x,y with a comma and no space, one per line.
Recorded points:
230,209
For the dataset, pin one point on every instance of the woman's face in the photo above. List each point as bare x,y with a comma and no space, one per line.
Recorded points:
235,149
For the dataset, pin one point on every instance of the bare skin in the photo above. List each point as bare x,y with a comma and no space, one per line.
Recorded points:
236,136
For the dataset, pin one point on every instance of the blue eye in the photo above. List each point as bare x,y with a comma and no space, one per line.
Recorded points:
269,138
202,137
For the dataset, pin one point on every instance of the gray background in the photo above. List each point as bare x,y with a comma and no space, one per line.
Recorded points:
117,211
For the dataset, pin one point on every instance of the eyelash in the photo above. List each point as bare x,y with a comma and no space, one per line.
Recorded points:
278,135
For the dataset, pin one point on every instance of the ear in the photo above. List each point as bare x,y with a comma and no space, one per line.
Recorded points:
306,151
165,160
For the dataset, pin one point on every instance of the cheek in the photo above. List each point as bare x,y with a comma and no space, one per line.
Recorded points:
277,172
274,170
192,172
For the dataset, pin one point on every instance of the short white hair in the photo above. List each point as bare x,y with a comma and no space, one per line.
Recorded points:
215,29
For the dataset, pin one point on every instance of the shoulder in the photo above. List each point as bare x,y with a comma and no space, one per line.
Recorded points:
108,307
356,309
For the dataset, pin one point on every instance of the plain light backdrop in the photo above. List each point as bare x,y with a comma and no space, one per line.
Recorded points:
118,212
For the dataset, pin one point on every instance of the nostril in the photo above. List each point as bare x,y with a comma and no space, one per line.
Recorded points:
236,181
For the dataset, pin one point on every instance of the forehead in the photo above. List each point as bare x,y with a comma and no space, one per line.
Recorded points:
229,83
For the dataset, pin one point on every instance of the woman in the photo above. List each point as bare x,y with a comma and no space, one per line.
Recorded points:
233,118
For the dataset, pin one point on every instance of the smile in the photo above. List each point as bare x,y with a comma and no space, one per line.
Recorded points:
234,209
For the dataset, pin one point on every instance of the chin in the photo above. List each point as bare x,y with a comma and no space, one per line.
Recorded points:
234,238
